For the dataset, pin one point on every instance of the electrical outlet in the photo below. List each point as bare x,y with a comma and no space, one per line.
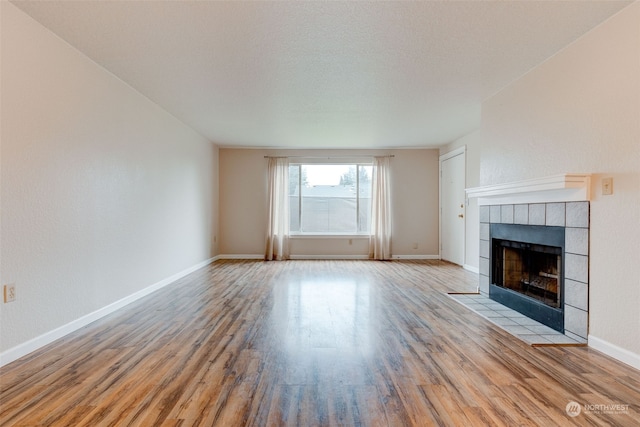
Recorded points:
415,246
9,293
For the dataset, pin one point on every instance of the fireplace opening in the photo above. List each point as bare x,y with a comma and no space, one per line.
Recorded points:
531,270
527,271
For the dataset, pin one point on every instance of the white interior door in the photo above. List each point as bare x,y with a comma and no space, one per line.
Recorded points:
452,206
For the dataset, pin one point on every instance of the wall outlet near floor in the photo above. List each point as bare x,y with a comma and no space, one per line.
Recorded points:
415,246
9,293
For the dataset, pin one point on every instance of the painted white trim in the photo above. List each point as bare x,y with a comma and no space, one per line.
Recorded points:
346,257
241,256
618,353
453,153
415,256
471,268
336,257
303,236
27,347
556,188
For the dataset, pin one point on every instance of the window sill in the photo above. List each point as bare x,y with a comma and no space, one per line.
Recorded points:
329,236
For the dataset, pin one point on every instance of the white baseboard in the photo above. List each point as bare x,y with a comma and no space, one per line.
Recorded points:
345,257
240,256
303,257
619,353
471,268
27,347
415,256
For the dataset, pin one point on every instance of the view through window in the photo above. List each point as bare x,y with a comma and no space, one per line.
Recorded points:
330,198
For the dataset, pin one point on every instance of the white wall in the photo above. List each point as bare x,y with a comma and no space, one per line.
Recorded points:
103,193
580,112
243,195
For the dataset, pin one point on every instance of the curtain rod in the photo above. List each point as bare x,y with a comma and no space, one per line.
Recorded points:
327,157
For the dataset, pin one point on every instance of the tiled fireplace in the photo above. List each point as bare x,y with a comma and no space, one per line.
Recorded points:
534,249
572,218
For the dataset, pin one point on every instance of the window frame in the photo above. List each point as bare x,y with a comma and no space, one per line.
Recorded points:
319,234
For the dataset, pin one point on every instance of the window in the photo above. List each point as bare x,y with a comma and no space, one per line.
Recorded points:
330,198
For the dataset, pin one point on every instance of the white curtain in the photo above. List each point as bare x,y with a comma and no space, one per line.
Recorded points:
380,237
278,195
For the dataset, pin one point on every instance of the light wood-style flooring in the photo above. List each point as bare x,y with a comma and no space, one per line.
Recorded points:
311,343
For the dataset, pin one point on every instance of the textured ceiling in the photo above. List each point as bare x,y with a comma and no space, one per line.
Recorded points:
321,74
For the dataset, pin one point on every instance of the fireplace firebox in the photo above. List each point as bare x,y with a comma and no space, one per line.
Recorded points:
527,271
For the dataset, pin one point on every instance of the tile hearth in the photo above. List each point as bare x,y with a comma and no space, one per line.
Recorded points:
518,325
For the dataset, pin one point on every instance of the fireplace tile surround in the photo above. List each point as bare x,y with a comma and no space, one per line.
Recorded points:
574,217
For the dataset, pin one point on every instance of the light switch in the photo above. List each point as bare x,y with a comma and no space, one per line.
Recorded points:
607,186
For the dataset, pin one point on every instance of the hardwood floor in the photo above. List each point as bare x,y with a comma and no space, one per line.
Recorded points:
311,343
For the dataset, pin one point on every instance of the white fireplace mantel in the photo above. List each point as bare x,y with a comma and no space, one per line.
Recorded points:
557,188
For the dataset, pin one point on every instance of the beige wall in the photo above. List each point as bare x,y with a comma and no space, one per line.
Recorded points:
580,112
103,193
243,204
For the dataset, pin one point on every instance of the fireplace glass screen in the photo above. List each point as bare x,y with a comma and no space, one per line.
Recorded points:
529,269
